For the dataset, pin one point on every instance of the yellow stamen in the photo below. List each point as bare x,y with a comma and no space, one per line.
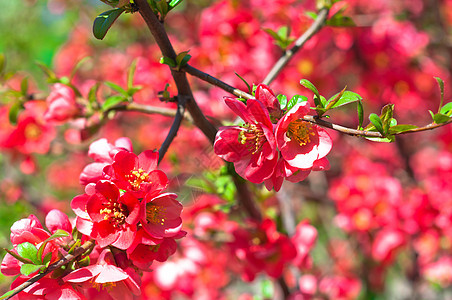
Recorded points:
252,135
301,131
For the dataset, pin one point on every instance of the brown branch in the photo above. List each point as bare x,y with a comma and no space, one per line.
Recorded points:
66,259
158,31
283,60
174,127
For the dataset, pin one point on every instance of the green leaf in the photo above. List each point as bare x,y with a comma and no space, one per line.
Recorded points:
182,58
346,98
116,87
446,109
2,63
388,139
14,112
168,61
174,3
282,99
243,79
267,289
47,258
307,84
130,74
440,118
27,269
311,14
57,234
7,294
29,251
92,94
18,257
24,87
441,88
360,110
51,76
295,100
401,128
104,21
376,121
339,20
112,101
386,117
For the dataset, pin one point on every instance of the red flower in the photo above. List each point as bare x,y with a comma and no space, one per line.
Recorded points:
137,173
301,143
107,216
266,96
251,147
160,216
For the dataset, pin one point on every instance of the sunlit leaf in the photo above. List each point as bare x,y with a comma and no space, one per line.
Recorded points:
376,121
27,269
401,128
282,99
29,251
104,21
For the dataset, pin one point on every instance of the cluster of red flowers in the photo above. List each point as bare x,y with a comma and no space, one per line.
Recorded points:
272,144
126,212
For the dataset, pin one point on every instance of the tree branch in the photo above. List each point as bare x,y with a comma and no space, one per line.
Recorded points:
183,87
283,60
148,109
66,259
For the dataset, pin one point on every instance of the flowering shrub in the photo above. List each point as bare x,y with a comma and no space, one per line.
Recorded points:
229,206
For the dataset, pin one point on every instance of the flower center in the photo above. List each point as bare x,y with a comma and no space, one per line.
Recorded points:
115,213
252,136
102,286
136,177
32,132
155,214
300,131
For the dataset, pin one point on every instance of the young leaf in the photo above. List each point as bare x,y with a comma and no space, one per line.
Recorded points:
282,99
51,76
57,234
182,58
345,98
168,61
376,121
174,3
401,128
441,88
104,21
311,14
112,101
18,257
130,74
338,20
295,100
446,109
116,87
14,112
440,118
2,63
386,117
360,110
307,84
243,79
29,251
27,269
7,294
388,139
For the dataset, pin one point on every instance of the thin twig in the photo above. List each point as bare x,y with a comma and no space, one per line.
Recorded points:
66,259
148,109
174,127
216,82
283,60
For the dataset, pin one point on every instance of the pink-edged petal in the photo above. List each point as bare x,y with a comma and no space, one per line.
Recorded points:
125,238
84,226
99,151
78,205
92,173
83,274
325,142
125,143
321,165
148,160
111,273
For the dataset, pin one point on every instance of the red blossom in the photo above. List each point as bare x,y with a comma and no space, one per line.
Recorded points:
251,147
137,174
301,143
107,216
62,105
